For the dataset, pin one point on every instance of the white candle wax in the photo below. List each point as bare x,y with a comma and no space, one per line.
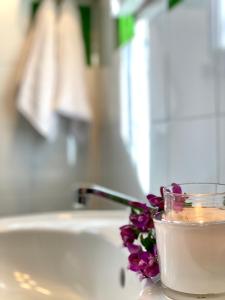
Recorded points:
192,250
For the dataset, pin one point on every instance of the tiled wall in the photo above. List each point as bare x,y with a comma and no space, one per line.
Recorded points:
187,112
188,99
34,175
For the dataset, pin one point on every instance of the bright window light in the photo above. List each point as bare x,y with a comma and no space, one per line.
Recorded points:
115,7
221,16
135,102
218,24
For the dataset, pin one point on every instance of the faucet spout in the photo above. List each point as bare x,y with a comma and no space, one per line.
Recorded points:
84,190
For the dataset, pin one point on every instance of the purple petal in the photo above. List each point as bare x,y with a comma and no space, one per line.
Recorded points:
156,201
151,271
144,256
155,251
161,191
176,189
128,234
144,263
133,249
148,265
147,257
151,196
134,262
142,221
138,205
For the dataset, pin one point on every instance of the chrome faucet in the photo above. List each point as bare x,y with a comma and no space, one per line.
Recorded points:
82,192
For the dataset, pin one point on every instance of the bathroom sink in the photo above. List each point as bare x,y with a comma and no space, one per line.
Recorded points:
74,256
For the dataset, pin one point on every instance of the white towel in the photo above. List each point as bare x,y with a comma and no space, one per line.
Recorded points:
72,94
37,86
54,79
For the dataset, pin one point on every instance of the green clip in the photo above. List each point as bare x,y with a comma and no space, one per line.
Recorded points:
126,29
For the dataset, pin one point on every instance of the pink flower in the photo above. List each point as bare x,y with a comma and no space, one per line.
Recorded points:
139,236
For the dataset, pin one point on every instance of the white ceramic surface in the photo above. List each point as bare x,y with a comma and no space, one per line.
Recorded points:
156,292
74,256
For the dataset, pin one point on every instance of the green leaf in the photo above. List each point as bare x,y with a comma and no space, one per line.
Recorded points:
137,232
173,3
148,242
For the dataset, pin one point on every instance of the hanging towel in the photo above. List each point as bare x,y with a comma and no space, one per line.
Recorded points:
38,83
72,94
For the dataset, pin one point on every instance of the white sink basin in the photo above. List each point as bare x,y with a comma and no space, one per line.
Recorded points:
74,256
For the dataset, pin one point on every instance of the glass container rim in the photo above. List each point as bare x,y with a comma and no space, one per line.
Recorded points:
190,195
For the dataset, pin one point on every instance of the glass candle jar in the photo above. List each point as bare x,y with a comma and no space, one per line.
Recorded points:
190,238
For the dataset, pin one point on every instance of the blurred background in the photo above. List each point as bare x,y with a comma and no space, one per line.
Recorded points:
128,94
